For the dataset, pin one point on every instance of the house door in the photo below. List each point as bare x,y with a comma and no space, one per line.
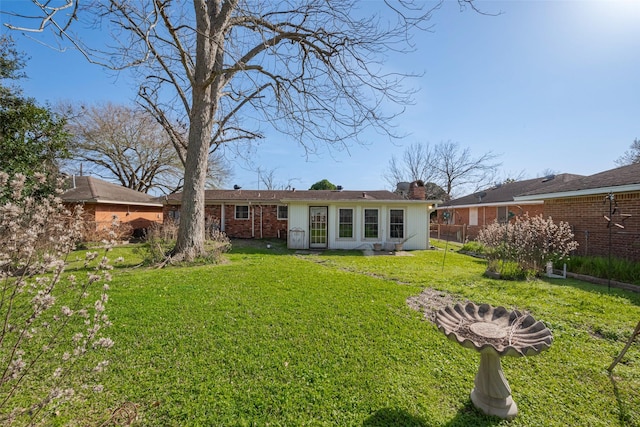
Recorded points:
318,227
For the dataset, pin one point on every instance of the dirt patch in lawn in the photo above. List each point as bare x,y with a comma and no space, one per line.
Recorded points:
430,301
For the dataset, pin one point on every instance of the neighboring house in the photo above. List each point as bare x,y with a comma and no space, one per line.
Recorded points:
585,204
103,202
465,216
322,219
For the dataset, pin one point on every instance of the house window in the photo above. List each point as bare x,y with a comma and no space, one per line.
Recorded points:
345,223
283,212
242,212
473,216
396,224
371,223
502,214
174,215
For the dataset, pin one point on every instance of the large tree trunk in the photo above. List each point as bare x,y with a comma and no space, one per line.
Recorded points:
209,47
191,232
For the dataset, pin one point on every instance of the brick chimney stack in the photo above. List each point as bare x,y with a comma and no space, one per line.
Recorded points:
417,191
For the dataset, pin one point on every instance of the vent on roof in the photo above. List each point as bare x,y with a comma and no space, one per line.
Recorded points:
236,187
481,195
548,178
339,188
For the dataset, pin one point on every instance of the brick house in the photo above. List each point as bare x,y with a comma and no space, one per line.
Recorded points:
584,203
323,219
103,202
462,218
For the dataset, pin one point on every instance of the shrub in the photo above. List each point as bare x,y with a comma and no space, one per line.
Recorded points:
473,247
530,242
620,269
48,323
161,238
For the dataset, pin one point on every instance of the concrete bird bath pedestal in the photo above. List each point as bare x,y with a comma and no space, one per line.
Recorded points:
493,332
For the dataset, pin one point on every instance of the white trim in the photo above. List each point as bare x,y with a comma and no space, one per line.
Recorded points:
278,217
404,224
235,213
586,192
364,224
364,201
537,201
353,223
114,202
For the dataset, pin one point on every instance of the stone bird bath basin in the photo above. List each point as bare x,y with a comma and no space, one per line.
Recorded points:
493,332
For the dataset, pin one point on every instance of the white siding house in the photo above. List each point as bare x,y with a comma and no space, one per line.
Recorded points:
320,219
358,223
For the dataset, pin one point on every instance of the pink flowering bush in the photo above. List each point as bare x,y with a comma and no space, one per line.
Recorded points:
528,242
50,321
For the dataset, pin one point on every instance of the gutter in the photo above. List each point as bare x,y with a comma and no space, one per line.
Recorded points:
536,201
584,192
115,202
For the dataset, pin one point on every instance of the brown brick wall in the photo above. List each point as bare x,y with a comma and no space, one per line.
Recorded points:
263,222
586,217
487,215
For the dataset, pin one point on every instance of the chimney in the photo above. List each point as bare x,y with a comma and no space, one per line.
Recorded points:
417,191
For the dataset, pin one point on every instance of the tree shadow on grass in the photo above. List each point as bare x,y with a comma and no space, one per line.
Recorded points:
394,417
279,247
468,416
623,407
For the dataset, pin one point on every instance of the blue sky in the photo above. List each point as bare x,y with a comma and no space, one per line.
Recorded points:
545,84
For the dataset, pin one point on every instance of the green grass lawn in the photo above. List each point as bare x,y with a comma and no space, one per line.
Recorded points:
274,338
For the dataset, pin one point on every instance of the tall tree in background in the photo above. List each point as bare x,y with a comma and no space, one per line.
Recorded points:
32,138
446,164
267,177
311,69
631,156
127,144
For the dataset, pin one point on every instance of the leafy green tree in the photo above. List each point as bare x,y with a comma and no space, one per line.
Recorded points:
323,185
32,138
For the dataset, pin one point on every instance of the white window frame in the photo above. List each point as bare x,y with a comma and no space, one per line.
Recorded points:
235,210
364,224
473,216
502,219
353,223
283,217
404,223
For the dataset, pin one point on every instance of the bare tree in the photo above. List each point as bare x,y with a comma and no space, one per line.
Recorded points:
457,168
312,69
445,164
269,180
631,156
415,165
127,144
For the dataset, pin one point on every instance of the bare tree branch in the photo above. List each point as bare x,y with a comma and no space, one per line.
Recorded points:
444,164
313,70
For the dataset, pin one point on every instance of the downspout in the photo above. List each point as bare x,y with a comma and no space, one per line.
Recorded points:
253,220
261,222
222,222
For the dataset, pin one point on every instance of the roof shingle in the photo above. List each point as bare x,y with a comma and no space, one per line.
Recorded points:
83,189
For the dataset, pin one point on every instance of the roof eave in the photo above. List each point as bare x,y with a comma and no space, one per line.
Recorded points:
579,193
114,202
392,201
495,204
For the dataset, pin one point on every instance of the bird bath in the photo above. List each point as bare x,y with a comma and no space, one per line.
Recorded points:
493,332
